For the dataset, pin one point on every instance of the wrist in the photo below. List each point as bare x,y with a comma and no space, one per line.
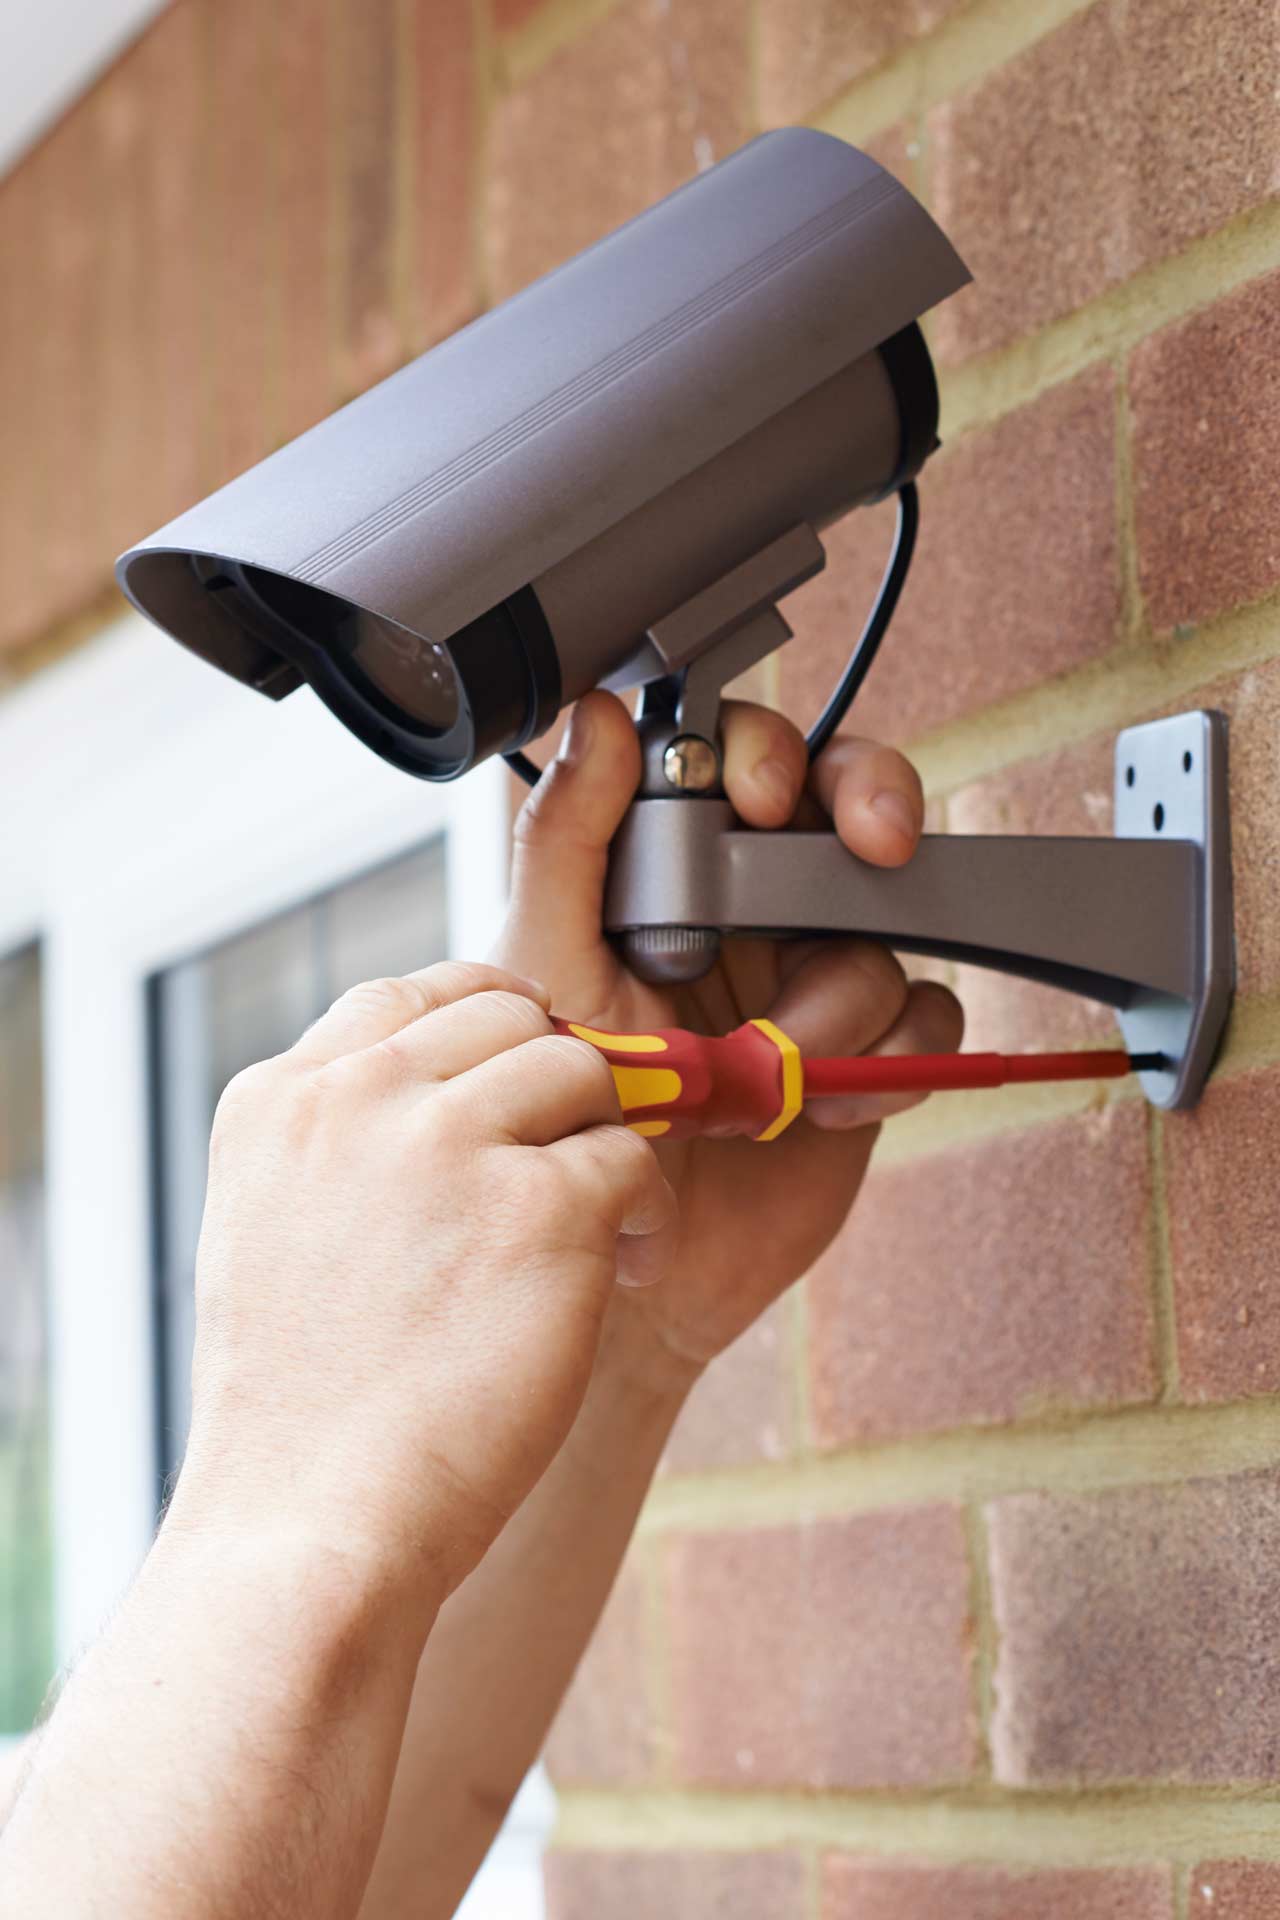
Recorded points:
360,1580
638,1365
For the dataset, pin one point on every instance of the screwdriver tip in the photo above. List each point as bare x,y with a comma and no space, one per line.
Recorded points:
1149,1062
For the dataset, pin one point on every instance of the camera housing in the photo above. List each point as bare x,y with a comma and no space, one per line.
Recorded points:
496,528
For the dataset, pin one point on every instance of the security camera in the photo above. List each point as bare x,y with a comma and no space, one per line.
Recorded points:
612,480
501,525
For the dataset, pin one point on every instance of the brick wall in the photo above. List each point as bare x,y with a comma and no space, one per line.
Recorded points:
960,1592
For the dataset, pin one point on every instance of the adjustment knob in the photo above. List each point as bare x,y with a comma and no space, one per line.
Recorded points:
671,956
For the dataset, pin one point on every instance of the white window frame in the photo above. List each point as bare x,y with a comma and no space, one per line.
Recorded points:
152,807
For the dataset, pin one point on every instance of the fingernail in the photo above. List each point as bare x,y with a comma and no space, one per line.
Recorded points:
577,738
535,987
896,812
775,782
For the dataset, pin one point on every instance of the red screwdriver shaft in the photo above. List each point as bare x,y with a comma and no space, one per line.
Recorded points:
941,1072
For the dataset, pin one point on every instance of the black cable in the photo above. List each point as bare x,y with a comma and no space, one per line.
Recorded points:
895,574
860,661
529,770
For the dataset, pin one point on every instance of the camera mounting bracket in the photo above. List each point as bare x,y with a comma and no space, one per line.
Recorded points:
1141,921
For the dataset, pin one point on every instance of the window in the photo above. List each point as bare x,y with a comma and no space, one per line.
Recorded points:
240,1001
26,1571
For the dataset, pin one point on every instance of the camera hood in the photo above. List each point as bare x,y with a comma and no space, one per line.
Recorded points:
424,514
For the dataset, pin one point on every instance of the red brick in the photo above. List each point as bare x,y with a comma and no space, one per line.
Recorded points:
23,341
742,1408
1138,1634
240,254
1252,705
652,95
1069,792
302,101
898,151
509,14
1224,1222
975,1287
1128,132
443,212
605,1731
886,1890
74,243
835,1654
1206,410
369,111
809,54
1235,1890
117,114
171,56
658,1886
1015,579
1206,75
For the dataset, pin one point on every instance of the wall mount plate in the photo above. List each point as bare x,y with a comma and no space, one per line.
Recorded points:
1171,785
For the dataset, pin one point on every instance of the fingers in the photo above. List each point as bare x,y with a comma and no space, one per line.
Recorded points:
461,1036
370,1013
872,793
561,843
932,1021
850,997
535,1094
874,797
765,763
842,998
620,1180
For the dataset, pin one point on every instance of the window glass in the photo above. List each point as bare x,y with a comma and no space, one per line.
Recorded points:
26,1571
241,1001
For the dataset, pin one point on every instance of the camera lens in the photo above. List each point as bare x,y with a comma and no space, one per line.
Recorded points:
415,676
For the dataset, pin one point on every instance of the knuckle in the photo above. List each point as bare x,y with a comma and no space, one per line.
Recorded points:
517,1013
591,1072
530,821
388,994
617,1164
881,973
450,980
244,1092
630,1156
551,1192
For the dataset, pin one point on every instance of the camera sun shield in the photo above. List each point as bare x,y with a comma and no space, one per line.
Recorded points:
490,531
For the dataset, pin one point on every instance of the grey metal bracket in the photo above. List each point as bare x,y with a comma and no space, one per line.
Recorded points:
1141,921
1171,785
730,625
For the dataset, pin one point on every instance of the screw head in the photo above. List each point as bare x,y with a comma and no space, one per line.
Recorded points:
691,763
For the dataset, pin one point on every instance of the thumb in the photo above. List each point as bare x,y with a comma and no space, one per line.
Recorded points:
560,851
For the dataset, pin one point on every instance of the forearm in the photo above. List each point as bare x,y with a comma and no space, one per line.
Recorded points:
227,1747
507,1643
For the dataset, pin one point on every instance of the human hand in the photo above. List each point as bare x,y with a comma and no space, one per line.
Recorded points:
752,1217
414,1222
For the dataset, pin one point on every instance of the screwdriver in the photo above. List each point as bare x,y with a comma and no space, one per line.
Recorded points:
674,1085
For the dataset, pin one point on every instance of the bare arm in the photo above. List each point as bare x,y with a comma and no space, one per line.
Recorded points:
228,1746
13,1765
484,1700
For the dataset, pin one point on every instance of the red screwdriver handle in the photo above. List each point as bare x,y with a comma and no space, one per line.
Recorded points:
673,1084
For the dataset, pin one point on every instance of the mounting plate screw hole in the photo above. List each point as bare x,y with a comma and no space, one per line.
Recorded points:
1158,816
1129,776
1186,762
